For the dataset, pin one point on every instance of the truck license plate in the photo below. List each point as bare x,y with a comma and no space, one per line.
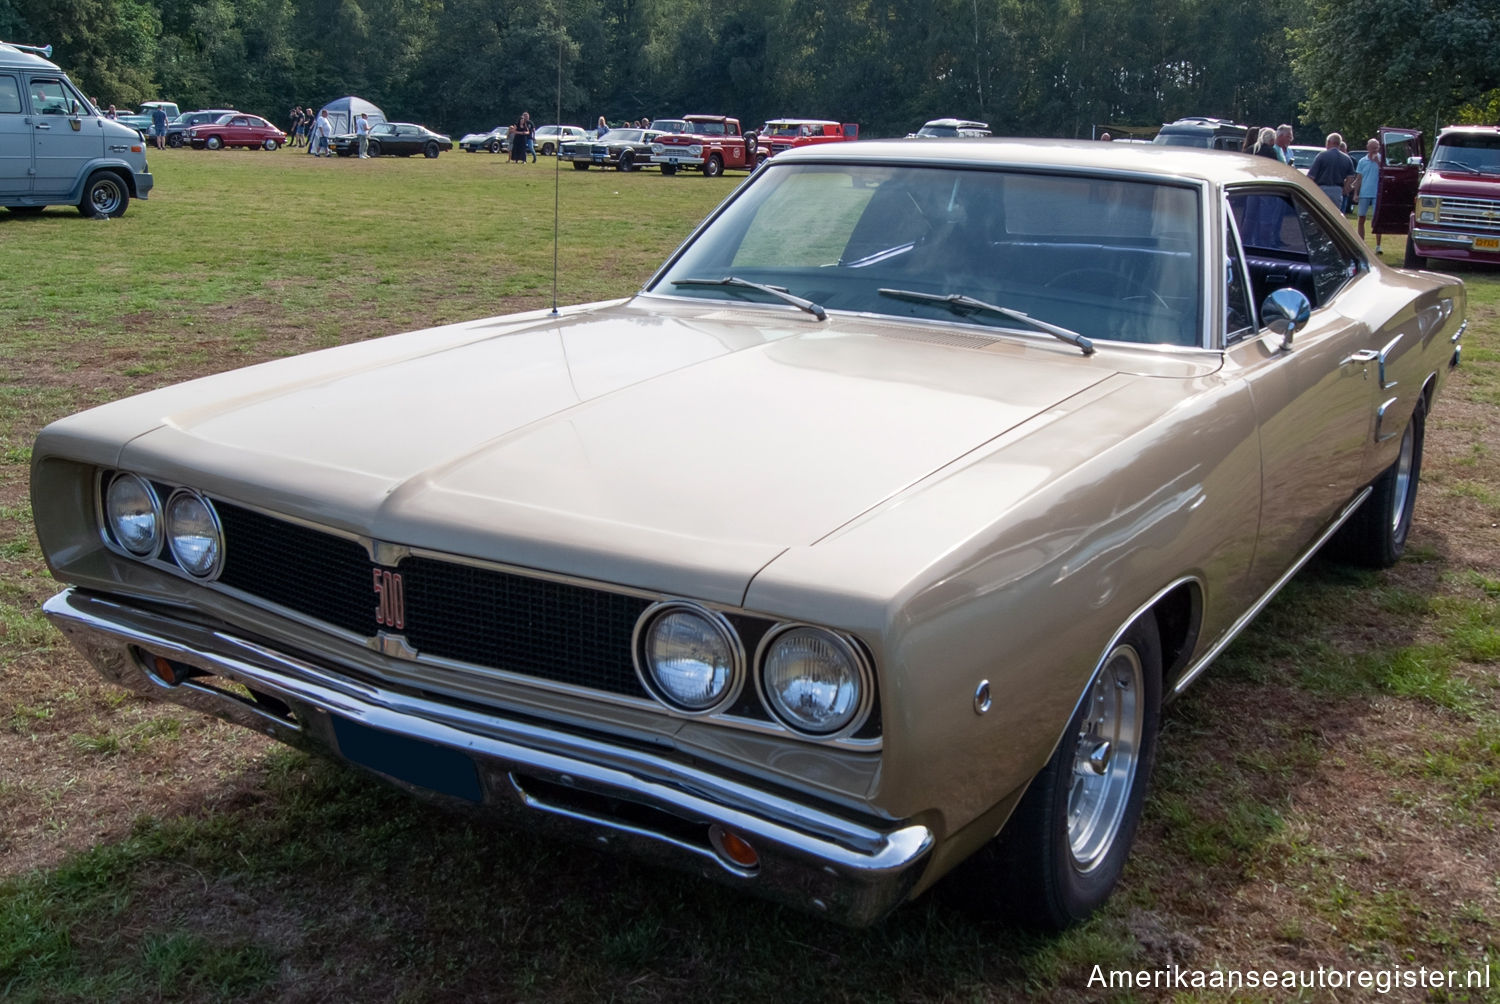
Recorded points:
1487,243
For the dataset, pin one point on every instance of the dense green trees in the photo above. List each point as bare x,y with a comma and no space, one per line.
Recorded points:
1029,67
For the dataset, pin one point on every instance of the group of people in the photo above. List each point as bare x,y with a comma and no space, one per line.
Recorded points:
604,126
305,130
1333,170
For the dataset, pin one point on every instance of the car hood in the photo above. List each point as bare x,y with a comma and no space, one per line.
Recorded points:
652,443
1437,181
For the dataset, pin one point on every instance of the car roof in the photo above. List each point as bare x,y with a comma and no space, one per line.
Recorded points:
801,122
15,59
957,123
1185,163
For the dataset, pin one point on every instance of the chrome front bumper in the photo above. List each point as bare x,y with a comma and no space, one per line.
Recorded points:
606,793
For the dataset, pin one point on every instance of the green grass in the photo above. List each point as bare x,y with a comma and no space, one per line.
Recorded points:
1327,792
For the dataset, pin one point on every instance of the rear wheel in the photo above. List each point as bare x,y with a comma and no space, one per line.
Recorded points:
547,149
714,166
174,139
1375,536
1412,259
104,196
430,151
1063,850
373,148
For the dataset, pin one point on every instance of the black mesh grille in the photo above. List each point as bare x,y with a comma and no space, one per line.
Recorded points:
314,573
568,634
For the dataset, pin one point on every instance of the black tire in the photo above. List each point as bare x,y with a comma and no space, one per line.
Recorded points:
372,149
494,146
761,158
713,166
580,165
271,144
1032,873
669,169
214,143
1411,259
174,140
547,149
430,151
105,196
1375,536
627,162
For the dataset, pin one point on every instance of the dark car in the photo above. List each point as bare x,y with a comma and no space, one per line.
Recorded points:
625,149
1199,130
400,139
495,141
178,127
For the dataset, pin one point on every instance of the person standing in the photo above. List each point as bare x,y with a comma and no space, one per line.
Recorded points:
1369,185
1330,168
520,138
322,132
362,130
602,129
1284,143
296,119
159,127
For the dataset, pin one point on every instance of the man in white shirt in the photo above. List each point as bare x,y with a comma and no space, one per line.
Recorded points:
362,128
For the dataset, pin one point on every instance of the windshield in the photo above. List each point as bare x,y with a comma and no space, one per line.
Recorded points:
1105,257
623,136
1468,152
934,130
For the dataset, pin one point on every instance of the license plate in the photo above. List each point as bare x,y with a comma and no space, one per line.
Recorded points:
1487,243
598,160
436,768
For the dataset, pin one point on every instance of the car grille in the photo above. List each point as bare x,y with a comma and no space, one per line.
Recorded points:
560,632
1475,214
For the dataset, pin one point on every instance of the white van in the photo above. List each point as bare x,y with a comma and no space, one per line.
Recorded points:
56,149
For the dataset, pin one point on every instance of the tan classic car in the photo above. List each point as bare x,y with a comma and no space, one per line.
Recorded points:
869,537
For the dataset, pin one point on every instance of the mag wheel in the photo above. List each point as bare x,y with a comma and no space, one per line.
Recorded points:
430,151
104,196
1375,536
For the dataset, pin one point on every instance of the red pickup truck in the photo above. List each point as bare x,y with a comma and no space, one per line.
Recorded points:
784,134
713,143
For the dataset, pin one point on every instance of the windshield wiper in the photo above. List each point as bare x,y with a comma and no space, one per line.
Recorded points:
776,291
963,305
1455,165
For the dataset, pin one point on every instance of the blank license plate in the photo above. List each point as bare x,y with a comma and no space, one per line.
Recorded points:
436,768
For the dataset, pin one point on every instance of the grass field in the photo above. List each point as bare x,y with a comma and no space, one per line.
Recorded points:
1327,794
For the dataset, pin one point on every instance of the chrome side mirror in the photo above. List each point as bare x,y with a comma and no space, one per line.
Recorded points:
1285,312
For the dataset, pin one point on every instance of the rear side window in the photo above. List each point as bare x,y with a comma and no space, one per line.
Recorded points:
10,96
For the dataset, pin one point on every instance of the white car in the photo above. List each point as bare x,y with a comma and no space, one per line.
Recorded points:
549,137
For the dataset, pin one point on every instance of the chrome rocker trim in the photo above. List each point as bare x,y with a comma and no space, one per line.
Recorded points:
545,778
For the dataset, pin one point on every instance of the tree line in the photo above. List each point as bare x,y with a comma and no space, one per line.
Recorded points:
1028,67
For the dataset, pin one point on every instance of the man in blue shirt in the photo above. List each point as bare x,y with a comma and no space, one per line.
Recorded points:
1369,183
159,127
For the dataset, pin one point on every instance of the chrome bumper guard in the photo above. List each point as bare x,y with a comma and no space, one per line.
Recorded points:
604,793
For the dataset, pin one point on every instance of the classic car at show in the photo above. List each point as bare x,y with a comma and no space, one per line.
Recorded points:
178,127
235,129
710,144
394,139
780,135
867,541
624,149
547,137
493,141
952,128
1455,212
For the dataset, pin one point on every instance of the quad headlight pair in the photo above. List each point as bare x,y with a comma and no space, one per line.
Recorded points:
811,679
138,522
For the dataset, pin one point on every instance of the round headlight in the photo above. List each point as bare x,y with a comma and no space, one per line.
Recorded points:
812,680
193,533
134,514
691,657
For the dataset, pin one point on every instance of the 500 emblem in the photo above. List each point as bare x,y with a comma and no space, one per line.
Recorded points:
390,610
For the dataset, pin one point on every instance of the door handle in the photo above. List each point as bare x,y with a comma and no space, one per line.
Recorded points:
1362,356
44,125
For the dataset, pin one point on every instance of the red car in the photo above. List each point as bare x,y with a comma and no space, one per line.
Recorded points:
236,129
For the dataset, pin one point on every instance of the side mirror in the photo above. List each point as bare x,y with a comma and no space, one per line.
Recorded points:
1285,312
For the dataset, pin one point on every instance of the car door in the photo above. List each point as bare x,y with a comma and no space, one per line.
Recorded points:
238,132
65,138
1401,163
15,139
1315,401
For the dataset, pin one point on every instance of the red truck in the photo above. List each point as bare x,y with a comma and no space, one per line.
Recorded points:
713,143
784,134
1449,206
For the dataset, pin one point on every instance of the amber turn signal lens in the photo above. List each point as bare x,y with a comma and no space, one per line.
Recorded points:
732,847
165,670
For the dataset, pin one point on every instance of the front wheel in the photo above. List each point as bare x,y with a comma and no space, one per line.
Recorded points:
1375,536
669,169
714,166
1063,850
627,161
104,196
214,143
494,146
1411,259
270,144
174,140
580,165
430,151
547,149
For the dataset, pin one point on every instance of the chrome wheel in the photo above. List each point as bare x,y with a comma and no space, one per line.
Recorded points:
1106,753
1401,514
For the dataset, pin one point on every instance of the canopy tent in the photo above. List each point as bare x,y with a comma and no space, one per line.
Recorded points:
344,111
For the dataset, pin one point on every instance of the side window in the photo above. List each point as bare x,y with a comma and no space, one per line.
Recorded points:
49,97
1239,310
10,96
1287,244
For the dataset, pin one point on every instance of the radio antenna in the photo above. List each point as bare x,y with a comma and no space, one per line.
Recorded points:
556,171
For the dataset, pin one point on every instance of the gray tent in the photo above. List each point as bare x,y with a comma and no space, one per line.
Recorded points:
344,111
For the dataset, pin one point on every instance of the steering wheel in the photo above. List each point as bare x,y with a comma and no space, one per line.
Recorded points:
1113,283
